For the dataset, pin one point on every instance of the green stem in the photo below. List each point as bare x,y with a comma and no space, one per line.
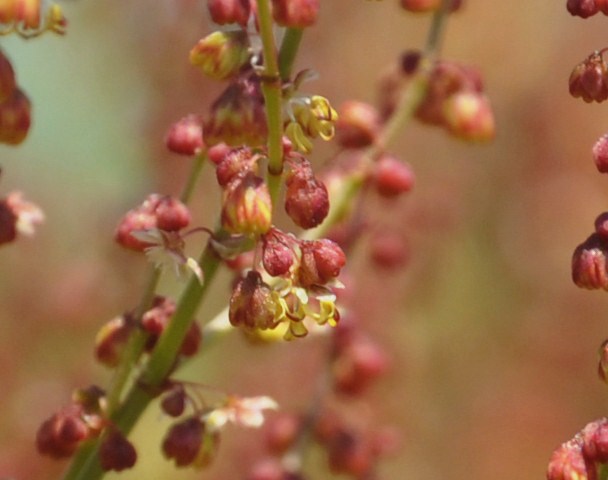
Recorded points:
195,172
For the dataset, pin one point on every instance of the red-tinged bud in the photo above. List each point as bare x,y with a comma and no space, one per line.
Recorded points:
389,251
251,304
357,365
216,153
111,339
321,262
589,78
392,177
601,225
327,426
600,154
7,78
350,453
422,6
295,13
469,116
358,124
185,137
582,8
235,162
8,223
589,264
306,200
183,442
229,11
237,116
116,452
595,441
602,367
567,463
192,341
247,207
157,211
15,118
61,435
277,252
281,432
174,402
221,55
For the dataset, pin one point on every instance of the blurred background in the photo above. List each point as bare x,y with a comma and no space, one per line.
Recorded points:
493,348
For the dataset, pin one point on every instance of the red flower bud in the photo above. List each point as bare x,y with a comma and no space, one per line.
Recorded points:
111,339
469,116
281,432
251,303
321,262
229,11
595,441
600,154
306,200
389,251
60,435
174,402
358,124
15,118
567,463
184,441
116,452
588,79
589,264
185,137
582,8
221,55
295,13
247,207
602,367
350,453
421,6
235,162
392,177
277,252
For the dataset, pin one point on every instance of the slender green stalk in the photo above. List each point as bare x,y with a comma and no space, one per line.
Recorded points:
195,173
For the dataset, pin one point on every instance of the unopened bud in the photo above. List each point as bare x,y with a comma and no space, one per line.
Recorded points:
15,118
321,262
185,137
567,462
584,8
306,200
358,124
183,442
589,264
469,116
247,207
588,79
595,441
235,162
277,252
602,367
60,435
392,177
295,13
229,11
174,402
221,55
600,154
281,432
116,452
111,340
251,303
389,251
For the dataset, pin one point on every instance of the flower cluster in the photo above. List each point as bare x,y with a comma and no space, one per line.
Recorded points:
587,8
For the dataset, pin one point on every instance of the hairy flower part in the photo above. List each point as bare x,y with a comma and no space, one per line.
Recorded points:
247,207
321,262
229,11
185,137
278,253
111,340
15,118
156,212
295,13
30,18
165,249
469,116
306,199
236,162
589,264
221,55
252,304
241,411
237,117
588,79
190,443
116,453
8,84
60,435
392,177
423,6
358,124
586,8
600,154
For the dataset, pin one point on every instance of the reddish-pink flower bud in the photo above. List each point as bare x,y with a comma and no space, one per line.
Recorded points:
15,118
602,364
174,402
277,252
388,251
221,55
321,262
281,432
601,225
421,6
235,162
247,207
595,441
600,154
186,135
111,339
184,440
358,124
171,214
7,78
306,200
251,303
589,78
350,453
469,116
295,13
116,452
589,264
271,469
567,463
60,435
392,177
229,11
582,8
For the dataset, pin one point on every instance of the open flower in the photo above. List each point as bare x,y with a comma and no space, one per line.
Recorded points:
166,250
245,412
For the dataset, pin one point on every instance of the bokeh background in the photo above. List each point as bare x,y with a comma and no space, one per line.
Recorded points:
493,348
